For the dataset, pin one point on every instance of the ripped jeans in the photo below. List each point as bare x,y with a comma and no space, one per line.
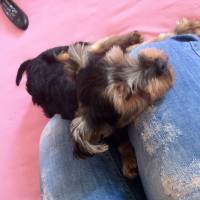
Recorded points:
166,139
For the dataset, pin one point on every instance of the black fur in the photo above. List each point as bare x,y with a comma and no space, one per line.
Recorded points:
49,85
91,81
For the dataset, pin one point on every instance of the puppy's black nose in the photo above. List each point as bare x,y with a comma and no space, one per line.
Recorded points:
161,66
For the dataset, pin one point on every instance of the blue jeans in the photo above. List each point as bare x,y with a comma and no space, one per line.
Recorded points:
65,178
166,139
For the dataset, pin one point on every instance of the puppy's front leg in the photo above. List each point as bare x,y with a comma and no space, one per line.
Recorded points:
103,45
128,160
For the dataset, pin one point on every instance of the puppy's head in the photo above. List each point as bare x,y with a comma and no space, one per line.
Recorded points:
136,83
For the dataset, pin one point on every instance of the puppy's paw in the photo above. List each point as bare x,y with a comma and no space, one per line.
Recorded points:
129,163
129,167
186,26
135,38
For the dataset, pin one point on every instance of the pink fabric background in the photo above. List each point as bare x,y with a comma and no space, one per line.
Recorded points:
54,23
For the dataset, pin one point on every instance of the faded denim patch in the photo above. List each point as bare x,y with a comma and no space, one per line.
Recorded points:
166,137
156,134
182,181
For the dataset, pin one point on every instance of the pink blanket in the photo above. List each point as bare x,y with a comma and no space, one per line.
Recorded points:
54,23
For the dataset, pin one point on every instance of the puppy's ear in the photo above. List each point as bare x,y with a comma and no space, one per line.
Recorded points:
21,70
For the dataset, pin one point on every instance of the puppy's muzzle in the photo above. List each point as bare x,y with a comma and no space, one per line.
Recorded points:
161,66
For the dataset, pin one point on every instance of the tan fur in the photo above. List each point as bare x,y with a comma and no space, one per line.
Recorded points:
131,102
75,59
85,136
79,54
123,105
185,26
151,54
123,41
62,57
116,56
129,108
157,88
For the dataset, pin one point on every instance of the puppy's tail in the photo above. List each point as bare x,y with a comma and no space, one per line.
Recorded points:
81,135
21,70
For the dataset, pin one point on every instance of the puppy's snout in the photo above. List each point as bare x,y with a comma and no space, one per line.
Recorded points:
161,66
154,60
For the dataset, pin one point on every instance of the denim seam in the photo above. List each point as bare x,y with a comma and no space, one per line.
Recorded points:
194,49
